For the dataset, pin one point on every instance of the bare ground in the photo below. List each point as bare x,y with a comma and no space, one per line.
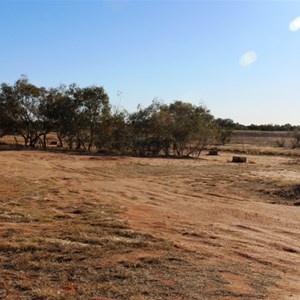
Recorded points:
90,227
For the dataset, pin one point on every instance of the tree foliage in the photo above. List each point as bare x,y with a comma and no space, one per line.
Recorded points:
82,119
22,115
180,127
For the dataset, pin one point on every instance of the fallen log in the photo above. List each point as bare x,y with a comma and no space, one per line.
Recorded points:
239,159
213,152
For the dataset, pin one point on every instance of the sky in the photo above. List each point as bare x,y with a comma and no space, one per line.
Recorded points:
241,59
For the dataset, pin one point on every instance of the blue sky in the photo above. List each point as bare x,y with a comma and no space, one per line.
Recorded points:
239,58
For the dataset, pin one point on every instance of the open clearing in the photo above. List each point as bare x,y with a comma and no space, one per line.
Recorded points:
90,227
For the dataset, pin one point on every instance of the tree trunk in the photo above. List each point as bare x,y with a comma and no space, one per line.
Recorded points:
44,141
17,144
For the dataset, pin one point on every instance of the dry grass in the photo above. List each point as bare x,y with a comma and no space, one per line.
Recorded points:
84,250
86,227
262,138
261,143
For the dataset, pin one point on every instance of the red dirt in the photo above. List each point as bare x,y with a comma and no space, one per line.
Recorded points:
209,207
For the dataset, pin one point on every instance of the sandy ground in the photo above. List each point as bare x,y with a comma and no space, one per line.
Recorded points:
210,207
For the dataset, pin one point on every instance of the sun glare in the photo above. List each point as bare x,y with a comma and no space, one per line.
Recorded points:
295,24
248,58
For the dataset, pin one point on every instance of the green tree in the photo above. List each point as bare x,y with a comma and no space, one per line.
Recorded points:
94,109
182,126
22,105
142,130
113,133
204,131
8,110
63,112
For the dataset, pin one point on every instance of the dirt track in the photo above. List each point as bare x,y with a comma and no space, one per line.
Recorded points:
244,240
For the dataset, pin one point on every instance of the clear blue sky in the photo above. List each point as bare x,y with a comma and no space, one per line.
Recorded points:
187,50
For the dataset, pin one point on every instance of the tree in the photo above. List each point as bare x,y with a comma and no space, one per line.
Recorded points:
225,123
163,128
143,132
225,136
204,131
226,127
94,108
112,134
21,104
193,128
182,126
8,109
62,111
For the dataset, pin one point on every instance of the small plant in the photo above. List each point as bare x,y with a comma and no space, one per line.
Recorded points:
226,135
280,143
296,139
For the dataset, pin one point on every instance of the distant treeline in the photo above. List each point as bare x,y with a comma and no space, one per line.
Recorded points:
230,124
83,119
